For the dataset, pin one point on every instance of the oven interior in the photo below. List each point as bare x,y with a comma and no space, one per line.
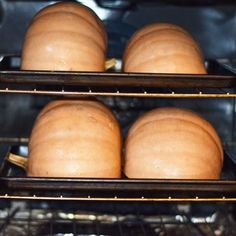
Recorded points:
213,25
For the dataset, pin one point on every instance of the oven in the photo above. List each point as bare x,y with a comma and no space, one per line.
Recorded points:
60,206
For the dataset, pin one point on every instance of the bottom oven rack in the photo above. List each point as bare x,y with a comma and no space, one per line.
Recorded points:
25,219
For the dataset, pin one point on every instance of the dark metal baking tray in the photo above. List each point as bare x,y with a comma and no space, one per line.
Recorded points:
13,180
218,77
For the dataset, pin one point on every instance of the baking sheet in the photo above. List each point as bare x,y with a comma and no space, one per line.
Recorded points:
13,179
218,77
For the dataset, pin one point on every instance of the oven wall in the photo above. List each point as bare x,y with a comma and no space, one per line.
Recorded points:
213,26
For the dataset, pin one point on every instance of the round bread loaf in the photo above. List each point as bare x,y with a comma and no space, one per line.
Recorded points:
75,138
66,36
173,143
163,48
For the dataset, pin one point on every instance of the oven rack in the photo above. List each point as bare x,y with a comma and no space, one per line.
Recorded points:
88,198
53,221
117,84
197,93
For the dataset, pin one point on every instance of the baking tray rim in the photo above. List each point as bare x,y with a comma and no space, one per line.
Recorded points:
120,185
119,79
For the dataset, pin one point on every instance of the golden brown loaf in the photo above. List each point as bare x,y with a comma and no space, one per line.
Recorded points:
75,138
163,48
173,143
65,36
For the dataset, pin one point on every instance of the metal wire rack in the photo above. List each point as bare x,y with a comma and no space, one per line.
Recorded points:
25,220
118,199
165,93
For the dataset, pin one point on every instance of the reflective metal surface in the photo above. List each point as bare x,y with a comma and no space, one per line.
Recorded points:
212,25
